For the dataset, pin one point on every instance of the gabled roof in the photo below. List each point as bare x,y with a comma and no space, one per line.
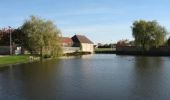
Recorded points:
81,39
67,40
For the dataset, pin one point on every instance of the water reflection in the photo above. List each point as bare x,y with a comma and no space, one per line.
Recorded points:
94,77
80,56
28,81
148,78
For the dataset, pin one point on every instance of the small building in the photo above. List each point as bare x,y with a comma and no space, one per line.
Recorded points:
67,45
67,42
83,42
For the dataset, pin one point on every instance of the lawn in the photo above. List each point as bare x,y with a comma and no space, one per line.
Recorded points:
6,60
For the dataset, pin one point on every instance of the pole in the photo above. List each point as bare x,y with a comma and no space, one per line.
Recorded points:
111,45
10,40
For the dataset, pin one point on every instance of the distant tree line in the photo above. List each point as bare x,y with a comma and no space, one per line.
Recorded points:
111,45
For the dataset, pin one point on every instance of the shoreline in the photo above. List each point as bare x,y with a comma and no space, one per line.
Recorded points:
7,65
105,52
38,60
146,53
10,60
137,53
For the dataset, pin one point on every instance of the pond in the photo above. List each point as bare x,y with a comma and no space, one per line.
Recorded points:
91,77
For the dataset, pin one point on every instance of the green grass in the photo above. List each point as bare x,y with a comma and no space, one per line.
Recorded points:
104,49
6,60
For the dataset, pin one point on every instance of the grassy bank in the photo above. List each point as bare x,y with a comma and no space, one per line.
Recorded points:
6,60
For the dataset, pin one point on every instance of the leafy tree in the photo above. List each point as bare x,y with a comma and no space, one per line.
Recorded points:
123,43
41,36
168,41
148,34
4,37
18,37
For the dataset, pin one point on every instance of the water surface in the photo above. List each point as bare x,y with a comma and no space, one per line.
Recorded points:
93,77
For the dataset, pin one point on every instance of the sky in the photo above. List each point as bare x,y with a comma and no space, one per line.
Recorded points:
102,21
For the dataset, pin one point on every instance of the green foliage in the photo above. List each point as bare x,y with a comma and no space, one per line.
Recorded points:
18,37
42,37
5,37
168,42
148,34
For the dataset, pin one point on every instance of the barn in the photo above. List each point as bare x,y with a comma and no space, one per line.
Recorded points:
85,44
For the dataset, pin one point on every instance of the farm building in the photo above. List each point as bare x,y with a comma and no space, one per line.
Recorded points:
78,41
83,42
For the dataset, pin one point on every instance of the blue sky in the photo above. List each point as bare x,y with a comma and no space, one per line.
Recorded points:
100,20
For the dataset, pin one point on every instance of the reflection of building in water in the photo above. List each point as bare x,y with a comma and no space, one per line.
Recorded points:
89,56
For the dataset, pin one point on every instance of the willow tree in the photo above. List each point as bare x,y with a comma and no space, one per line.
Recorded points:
41,36
148,34
168,41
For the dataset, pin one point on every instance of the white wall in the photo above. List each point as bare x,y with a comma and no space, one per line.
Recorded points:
87,47
70,49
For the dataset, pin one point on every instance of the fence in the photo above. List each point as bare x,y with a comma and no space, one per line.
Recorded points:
4,50
133,50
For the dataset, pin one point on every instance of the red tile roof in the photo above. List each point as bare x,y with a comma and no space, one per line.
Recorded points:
81,39
66,40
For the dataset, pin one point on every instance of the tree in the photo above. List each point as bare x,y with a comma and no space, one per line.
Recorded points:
123,43
18,37
148,34
168,41
41,36
5,36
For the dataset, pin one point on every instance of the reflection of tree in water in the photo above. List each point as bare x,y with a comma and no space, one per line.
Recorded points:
147,78
147,62
39,79
29,81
